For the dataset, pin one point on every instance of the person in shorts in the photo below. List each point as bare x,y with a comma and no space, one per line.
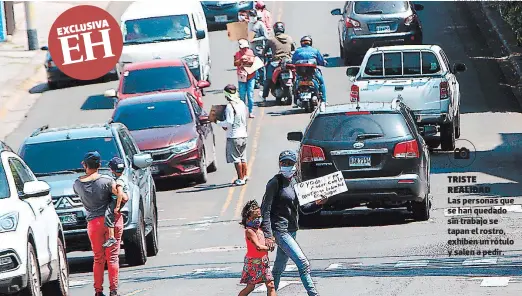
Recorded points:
117,166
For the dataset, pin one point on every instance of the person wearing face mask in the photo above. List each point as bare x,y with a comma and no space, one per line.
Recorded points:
242,16
280,213
258,43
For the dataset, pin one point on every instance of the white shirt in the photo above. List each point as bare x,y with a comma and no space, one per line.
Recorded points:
236,124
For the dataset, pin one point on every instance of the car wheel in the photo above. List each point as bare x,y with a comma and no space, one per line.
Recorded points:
447,136
52,85
421,210
152,238
33,274
213,166
59,287
203,176
135,246
457,126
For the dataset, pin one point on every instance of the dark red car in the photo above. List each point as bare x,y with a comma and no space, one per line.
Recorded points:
157,76
175,130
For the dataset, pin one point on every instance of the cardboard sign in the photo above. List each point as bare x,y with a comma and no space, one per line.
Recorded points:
239,30
312,190
217,113
258,64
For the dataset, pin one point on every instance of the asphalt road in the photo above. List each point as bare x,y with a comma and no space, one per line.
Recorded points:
360,252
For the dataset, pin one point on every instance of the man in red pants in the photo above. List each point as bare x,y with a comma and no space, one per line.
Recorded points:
95,191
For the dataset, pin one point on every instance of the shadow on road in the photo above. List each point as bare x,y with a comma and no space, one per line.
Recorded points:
98,102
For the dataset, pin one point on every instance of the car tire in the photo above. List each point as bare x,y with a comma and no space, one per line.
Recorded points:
421,210
59,287
309,220
457,126
152,238
33,274
135,246
202,178
213,167
52,85
447,136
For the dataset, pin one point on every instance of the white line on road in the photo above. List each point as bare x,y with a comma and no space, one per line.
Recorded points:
210,217
291,267
495,282
335,266
487,261
73,283
211,250
150,271
282,284
176,219
416,263
210,270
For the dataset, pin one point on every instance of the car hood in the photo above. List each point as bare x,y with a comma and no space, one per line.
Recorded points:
126,96
62,185
158,138
164,50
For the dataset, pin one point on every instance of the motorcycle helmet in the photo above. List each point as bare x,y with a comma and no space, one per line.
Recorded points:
306,40
279,27
252,14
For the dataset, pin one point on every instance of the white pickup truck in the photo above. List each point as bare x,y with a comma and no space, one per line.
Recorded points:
419,75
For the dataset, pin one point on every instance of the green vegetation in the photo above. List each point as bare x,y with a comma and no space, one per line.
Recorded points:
511,11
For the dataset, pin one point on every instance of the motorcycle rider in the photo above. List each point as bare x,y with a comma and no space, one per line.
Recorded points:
258,42
282,46
307,52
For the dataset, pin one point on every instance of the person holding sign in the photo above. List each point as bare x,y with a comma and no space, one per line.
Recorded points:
280,212
245,58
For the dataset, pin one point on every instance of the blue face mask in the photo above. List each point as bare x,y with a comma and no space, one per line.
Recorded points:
288,171
256,223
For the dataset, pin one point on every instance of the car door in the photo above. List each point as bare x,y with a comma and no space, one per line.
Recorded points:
452,80
341,24
204,129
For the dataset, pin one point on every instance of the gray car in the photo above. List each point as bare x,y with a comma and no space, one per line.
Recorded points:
366,24
55,155
224,12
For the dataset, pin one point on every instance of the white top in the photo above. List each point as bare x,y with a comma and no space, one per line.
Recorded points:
236,124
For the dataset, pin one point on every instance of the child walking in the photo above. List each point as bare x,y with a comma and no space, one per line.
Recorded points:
257,265
117,166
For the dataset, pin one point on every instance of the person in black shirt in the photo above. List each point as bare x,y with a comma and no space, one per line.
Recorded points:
280,211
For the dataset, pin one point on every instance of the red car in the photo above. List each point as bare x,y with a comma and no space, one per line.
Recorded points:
157,76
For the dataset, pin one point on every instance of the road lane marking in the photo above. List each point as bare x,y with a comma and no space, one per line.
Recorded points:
291,267
136,292
212,250
262,288
73,283
334,266
487,261
210,270
176,219
416,263
149,271
495,282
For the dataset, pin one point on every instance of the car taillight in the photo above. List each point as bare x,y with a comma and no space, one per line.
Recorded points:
312,154
444,90
409,149
351,23
354,93
409,20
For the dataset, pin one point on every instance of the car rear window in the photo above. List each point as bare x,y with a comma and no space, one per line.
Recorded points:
402,63
380,7
4,186
155,79
341,127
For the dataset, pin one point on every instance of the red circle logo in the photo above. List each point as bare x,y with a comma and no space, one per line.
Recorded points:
85,42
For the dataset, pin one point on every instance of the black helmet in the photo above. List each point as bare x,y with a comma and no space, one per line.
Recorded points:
279,27
252,13
306,39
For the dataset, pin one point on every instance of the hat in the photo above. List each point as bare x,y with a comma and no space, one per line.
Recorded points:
287,155
92,157
260,5
231,93
117,164
230,88
243,43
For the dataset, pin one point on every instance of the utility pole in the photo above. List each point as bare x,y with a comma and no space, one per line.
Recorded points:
32,35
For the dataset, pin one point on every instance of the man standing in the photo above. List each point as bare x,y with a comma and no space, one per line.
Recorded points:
245,58
266,16
95,192
257,44
235,124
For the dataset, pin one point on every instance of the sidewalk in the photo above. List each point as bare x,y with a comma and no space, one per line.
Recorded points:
23,69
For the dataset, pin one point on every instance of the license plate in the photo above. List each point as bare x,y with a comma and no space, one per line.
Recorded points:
221,18
360,161
286,75
68,219
154,169
382,29
306,96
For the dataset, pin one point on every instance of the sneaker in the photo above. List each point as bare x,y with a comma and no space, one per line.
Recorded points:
252,115
246,178
239,182
110,242
99,294
114,293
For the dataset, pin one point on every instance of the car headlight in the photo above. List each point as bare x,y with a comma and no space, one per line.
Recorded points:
9,222
192,60
185,146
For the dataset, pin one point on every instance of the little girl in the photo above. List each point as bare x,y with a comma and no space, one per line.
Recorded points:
257,265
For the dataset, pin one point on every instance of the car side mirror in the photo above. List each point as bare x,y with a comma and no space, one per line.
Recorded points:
336,11
203,84
294,136
200,34
459,67
418,7
428,130
142,160
45,47
36,189
352,71
110,93
204,119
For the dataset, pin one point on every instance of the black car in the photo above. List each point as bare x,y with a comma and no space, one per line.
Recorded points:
379,150
366,24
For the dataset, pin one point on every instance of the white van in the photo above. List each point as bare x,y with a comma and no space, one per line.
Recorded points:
162,30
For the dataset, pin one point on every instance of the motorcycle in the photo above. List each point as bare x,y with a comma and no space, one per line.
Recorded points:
307,94
283,79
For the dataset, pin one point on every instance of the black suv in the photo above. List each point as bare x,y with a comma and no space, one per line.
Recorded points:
55,155
379,150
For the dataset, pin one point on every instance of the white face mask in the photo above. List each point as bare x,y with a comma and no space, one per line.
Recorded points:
253,19
288,171
241,18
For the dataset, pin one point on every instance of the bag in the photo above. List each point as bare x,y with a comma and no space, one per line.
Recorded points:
242,75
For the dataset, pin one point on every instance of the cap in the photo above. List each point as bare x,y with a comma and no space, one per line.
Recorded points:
287,155
260,5
252,12
243,43
117,164
92,157
230,88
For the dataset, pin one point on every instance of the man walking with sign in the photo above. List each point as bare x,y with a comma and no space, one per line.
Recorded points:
280,212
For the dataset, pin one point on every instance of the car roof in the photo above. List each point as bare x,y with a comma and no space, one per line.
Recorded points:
157,97
154,64
144,9
404,47
46,134
352,107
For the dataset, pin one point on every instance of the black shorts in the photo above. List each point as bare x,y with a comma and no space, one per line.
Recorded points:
110,217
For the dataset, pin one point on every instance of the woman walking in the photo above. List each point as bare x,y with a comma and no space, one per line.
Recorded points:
246,82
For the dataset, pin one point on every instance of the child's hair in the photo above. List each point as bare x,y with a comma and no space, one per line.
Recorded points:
249,207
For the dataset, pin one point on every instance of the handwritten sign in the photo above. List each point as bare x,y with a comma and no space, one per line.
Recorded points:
314,189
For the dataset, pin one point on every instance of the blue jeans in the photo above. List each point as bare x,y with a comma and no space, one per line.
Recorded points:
246,91
287,248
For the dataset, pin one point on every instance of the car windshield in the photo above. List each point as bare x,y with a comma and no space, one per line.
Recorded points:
402,63
155,79
154,115
380,7
66,156
341,127
157,29
4,187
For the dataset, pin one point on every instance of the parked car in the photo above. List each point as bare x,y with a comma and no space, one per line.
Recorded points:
174,129
422,77
166,31
57,79
157,76
140,215
379,150
224,12
32,247
365,24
